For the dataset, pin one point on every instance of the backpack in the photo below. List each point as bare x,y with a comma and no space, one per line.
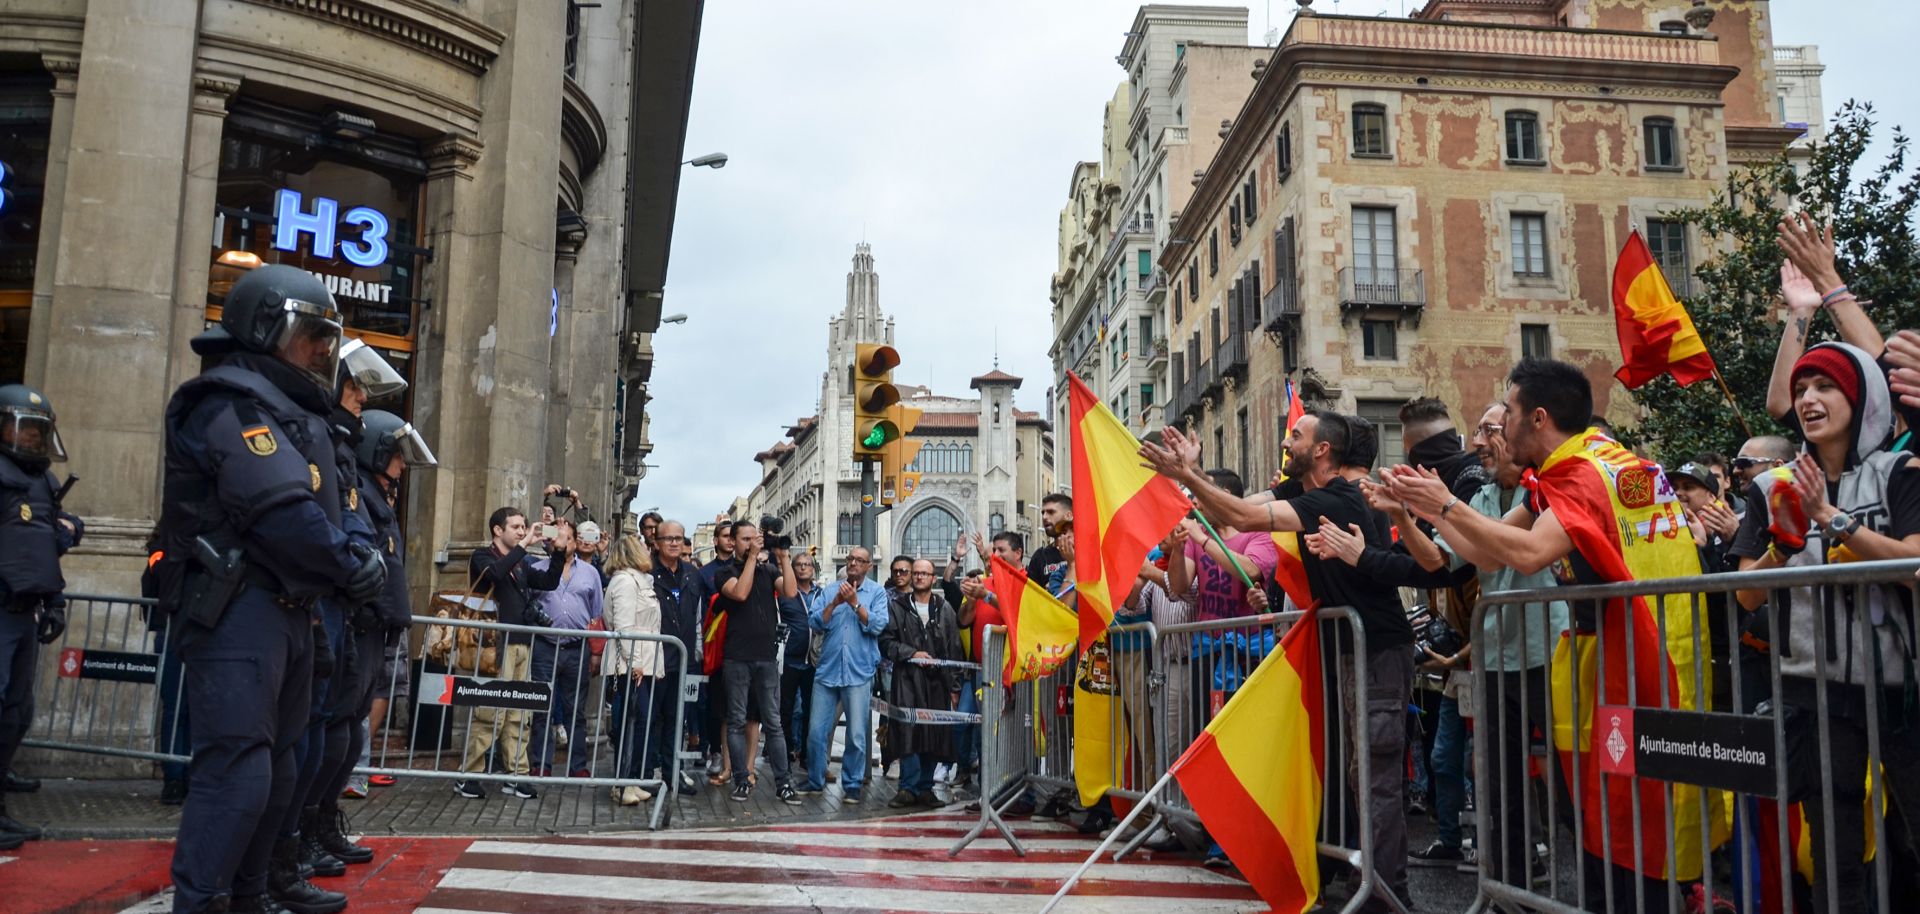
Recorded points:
461,648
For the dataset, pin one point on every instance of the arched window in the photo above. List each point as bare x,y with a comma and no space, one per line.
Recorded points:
849,529
965,459
930,534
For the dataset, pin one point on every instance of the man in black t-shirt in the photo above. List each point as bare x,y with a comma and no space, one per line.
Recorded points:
1328,453
751,671
1055,509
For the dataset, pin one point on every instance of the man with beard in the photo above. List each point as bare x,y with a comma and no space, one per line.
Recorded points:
1588,490
1326,452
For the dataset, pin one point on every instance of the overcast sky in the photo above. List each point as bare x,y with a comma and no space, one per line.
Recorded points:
944,135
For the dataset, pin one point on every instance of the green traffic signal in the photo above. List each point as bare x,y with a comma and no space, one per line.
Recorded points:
876,437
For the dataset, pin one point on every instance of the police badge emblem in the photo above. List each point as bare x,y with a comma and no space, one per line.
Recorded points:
314,473
260,441
353,499
26,513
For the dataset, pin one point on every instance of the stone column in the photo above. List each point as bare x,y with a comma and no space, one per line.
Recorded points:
567,349
66,77
110,315
198,197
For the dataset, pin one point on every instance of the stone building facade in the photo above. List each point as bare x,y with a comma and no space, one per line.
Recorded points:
458,172
1406,207
985,463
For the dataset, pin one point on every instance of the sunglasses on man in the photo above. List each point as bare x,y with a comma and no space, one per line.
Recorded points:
1744,463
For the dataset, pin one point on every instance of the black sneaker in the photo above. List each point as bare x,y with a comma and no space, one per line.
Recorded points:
851,797
808,790
741,792
518,789
469,789
173,792
1437,854
787,795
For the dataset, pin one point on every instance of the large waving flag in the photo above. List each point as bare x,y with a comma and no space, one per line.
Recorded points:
1121,509
1264,806
1295,410
1656,335
1041,630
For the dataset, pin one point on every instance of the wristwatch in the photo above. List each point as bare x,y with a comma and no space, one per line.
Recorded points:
1842,525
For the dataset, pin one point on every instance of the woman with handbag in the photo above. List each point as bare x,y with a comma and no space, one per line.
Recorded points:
631,665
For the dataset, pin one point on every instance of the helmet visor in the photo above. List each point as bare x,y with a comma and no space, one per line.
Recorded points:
309,340
364,364
30,435
412,448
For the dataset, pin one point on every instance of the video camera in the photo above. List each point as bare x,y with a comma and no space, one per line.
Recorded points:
775,528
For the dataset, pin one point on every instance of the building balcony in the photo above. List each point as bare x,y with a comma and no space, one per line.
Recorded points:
1172,136
1450,37
1190,402
1404,291
1282,304
1154,286
1230,358
1211,380
1157,354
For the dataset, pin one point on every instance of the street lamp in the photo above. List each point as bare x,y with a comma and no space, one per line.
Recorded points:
674,319
710,160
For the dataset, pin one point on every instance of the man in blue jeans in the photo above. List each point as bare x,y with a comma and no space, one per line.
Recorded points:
562,661
750,591
851,616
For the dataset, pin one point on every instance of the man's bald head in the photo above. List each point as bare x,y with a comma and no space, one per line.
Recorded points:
1422,419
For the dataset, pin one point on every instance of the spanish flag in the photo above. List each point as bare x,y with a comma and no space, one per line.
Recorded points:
1625,523
1295,410
1656,335
1121,509
1263,806
1290,572
1041,630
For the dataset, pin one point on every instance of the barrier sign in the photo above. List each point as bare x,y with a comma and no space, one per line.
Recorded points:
113,666
1728,751
469,692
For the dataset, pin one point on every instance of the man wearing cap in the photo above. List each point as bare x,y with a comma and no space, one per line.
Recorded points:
1714,524
587,548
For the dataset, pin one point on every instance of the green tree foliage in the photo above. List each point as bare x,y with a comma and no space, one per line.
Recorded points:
1734,300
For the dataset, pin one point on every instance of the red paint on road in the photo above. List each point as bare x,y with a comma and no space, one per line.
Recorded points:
84,876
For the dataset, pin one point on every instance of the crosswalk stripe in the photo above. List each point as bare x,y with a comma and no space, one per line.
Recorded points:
877,842
790,856
515,885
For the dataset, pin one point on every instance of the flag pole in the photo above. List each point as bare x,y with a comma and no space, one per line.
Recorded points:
1139,806
1229,552
1737,414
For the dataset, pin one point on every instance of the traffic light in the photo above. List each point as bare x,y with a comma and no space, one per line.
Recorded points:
873,395
896,484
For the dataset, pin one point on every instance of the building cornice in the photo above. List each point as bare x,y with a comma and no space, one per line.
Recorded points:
1464,56
431,27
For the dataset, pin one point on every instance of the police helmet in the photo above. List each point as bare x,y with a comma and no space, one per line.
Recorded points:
27,432
285,312
364,366
383,435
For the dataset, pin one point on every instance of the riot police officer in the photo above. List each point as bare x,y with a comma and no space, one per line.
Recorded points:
387,446
255,523
34,533
365,376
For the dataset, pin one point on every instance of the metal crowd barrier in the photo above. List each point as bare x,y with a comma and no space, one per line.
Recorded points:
1730,777
116,689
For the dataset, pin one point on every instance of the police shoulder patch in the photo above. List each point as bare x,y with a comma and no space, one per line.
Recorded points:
314,472
260,441
26,513
353,499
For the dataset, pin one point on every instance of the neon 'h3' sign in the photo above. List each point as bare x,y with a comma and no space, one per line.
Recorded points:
291,220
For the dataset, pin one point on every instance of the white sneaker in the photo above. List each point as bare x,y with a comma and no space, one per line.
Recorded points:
634,796
559,736
943,773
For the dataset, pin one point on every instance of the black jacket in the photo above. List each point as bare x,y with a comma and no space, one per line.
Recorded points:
683,597
511,581
916,686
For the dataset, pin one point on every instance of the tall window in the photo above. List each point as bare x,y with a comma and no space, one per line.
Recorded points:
1385,416
1370,130
1146,265
1283,151
847,529
1179,296
1193,278
1375,257
1536,341
1667,239
1663,148
1246,446
1250,199
1528,237
1146,334
1377,341
1213,253
930,534
1523,136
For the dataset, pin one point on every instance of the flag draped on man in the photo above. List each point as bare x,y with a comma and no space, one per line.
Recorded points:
1656,335
1625,523
1121,509
1263,806
1041,630
1290,572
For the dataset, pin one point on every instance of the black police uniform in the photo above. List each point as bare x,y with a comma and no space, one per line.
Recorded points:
32,610
250,464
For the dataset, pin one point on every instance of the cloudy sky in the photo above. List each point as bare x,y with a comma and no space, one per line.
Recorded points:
944,135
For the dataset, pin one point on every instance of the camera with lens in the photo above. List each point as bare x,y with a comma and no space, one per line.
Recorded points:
775,528
1433,633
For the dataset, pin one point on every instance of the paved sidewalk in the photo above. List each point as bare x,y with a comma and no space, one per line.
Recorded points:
428,806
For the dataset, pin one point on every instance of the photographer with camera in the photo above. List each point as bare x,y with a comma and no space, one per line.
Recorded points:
750,590
501,571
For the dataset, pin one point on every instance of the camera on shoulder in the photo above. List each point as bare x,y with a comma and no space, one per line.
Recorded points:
775,530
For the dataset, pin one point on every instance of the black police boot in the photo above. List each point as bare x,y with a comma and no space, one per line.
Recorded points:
292,892
329,831
9,842
250,904
12,828
173,791
218,904
18,784
316,857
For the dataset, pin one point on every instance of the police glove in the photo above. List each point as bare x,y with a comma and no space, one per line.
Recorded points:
364,584
322,652
53,623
